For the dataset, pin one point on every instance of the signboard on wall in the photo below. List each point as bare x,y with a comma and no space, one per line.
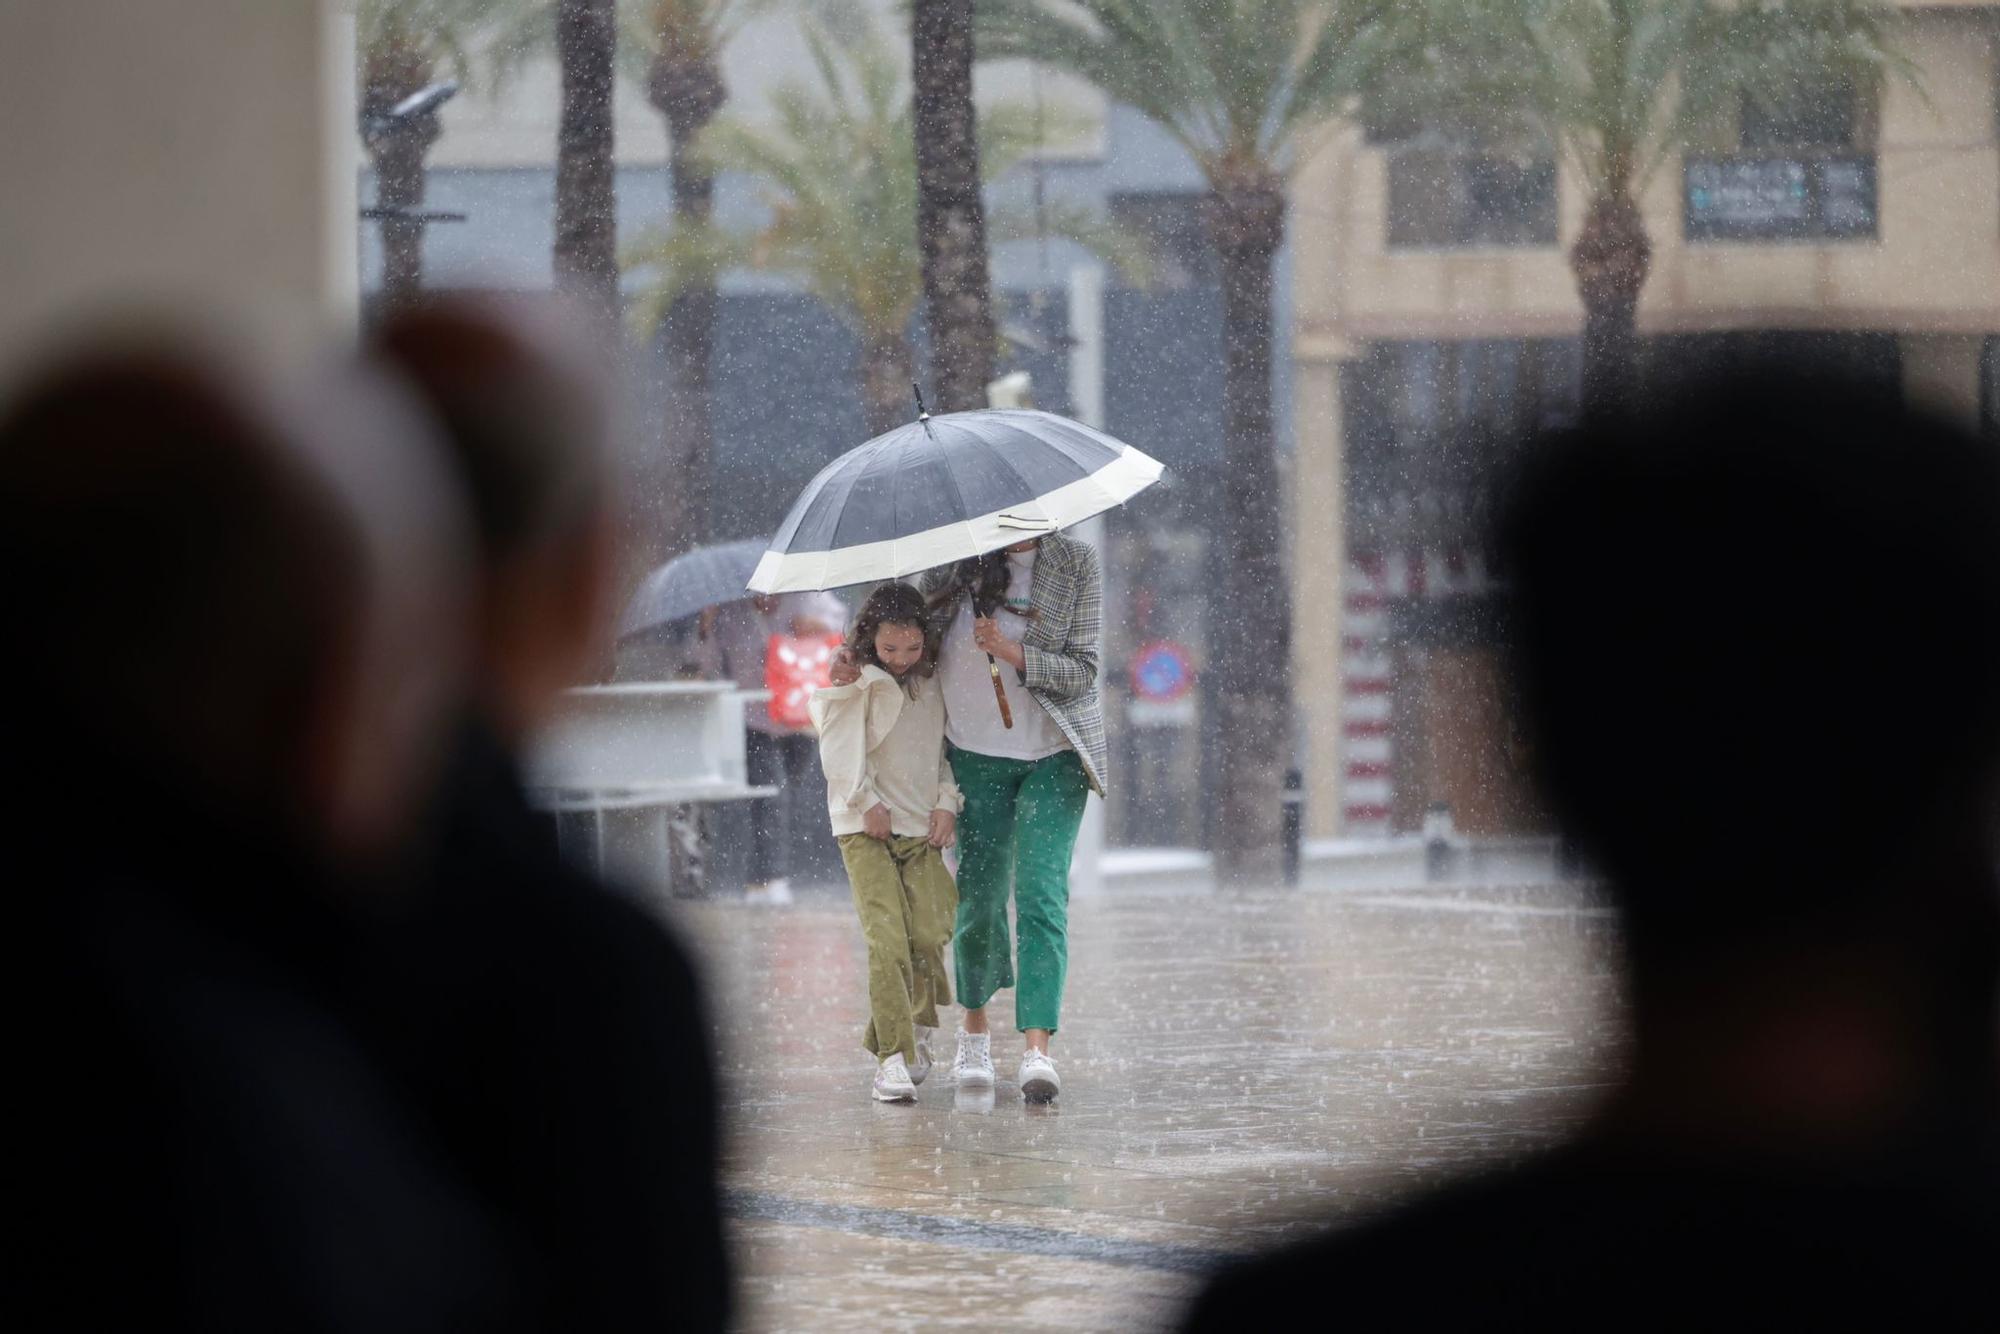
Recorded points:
1779,199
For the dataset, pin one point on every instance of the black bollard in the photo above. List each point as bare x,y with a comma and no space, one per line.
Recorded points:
1437,842
1295,806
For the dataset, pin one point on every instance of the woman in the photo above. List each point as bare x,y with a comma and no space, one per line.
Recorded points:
1036,608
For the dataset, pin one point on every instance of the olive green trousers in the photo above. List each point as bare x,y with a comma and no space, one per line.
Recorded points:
905,899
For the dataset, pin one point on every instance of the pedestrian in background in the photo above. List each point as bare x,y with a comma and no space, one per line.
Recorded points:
737,645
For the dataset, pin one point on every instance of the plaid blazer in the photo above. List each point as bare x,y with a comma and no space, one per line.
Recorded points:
1060,644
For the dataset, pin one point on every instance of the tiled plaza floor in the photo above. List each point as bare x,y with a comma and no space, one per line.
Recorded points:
1236,1068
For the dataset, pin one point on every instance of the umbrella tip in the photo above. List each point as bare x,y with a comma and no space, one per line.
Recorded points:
923,413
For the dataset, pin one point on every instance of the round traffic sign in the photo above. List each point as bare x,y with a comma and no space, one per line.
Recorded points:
1162,671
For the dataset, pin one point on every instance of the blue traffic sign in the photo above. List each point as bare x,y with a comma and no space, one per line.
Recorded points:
1162,671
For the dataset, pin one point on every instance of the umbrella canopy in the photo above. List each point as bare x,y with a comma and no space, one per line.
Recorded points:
691,583
944,488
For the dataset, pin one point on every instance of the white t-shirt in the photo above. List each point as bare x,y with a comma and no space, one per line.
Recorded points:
972,715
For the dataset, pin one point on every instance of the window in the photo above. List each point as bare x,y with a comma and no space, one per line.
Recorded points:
1448,190
1172,226
1989,387
1435,423
1798,175
1822,118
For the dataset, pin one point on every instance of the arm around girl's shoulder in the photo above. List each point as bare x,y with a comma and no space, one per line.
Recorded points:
851,721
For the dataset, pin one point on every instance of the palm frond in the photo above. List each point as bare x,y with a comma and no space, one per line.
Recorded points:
473,41
1128,251
674,260
1235,82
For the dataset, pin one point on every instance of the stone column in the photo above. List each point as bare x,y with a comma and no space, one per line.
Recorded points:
198,155
1319,570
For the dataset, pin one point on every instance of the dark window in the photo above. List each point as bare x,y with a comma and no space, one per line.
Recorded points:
1432,426
1820,118
1171,224
1989,387
1449,196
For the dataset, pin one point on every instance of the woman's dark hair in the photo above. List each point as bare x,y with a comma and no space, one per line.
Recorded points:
894,604
984,578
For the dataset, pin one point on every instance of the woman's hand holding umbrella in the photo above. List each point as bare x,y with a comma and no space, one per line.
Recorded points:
994,644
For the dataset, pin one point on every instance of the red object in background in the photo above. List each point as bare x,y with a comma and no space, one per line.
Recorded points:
794,667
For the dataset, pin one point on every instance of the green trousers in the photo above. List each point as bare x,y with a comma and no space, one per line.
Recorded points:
1017,832
905,898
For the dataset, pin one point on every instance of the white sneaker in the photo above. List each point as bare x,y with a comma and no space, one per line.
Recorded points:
922,1069
771,894
1039,1082
973,1067
892,1080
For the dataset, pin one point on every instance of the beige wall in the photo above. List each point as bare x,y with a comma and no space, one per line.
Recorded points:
197,151
1935,265
1932,275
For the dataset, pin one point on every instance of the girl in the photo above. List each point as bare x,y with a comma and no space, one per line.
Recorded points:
894,809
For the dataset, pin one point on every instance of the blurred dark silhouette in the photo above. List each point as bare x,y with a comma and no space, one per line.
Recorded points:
1805,577
229,662
553,1031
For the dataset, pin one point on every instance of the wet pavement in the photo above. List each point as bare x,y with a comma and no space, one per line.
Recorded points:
1237,1069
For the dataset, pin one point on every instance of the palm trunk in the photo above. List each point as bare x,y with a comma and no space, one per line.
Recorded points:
399,185
884,376
1250,616
1611,259
951,216
391,72
689,92
586,249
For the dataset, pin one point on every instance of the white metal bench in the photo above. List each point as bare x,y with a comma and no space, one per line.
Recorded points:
642,747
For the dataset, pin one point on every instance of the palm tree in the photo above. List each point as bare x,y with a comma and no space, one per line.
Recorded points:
586,221
1620,87
838,163
679,44
403,47
1243,86
951,212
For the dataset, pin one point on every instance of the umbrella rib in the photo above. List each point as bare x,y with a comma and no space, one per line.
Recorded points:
966,515
849,478
1007,463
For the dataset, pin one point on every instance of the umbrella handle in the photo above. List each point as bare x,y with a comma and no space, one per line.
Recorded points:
1000,694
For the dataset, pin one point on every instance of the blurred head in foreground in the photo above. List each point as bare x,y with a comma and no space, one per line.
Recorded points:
240,596
1758,643
525,414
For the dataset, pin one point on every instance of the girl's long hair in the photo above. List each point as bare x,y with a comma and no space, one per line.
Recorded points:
895,603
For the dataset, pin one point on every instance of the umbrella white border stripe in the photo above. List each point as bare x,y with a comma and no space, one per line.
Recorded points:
804,571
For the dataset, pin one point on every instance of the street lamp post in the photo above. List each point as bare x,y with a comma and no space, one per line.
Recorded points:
397,138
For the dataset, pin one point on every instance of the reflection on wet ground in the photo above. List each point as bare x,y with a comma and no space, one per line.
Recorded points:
1237,1068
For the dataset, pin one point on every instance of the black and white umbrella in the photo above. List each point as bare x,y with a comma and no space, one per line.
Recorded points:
690,584
944,488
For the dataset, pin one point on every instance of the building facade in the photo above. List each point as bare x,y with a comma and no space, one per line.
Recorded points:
1436,318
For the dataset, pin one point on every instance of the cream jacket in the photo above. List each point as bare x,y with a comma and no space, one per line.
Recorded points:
880,744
